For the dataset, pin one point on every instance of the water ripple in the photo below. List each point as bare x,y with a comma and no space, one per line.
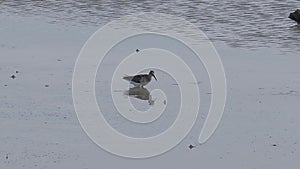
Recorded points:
248,24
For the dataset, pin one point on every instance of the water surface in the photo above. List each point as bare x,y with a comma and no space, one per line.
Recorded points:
247,24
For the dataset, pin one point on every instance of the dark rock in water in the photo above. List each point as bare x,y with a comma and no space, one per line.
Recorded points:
137,50
295,16
13,76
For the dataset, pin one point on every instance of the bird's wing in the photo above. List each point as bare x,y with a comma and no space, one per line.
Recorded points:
137,78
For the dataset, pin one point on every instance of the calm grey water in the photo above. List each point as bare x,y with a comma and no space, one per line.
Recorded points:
247,24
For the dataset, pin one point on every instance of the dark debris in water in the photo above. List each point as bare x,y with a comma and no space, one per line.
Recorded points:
13,76
191,146
290,92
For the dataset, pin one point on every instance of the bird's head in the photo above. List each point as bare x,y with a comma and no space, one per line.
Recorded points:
152,74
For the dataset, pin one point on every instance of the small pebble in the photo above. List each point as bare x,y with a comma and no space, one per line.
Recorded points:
151,102
191,146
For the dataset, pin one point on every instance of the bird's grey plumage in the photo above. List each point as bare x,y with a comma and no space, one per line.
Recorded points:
141,79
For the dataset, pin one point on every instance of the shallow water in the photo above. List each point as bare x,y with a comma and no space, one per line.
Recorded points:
248,24
42,39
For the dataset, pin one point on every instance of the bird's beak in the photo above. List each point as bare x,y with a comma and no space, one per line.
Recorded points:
154,77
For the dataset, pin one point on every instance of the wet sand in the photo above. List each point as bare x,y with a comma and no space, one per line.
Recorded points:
39,127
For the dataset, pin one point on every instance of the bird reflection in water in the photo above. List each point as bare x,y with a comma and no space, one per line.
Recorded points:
141,93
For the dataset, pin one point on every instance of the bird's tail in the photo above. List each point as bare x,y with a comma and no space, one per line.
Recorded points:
128,78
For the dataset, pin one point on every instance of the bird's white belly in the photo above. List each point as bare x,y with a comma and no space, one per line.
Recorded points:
138,84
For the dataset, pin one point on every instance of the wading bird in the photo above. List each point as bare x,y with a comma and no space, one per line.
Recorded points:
141,79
